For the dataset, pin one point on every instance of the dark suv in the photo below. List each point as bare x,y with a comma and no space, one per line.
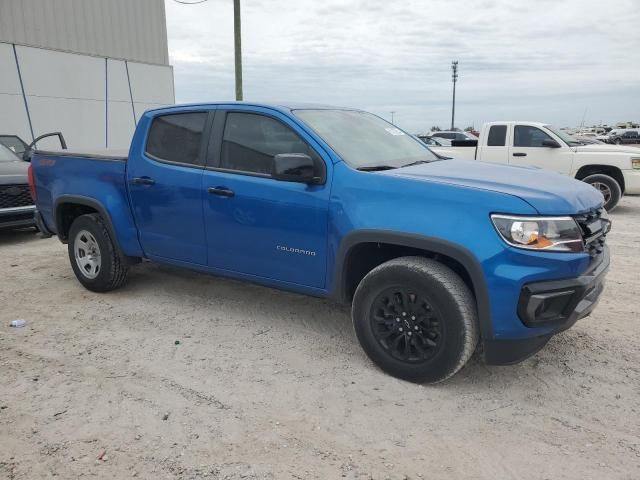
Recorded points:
629,136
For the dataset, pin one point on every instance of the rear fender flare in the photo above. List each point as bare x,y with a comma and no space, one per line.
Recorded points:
87,202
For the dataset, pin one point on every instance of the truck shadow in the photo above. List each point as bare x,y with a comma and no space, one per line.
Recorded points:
8,237
264,309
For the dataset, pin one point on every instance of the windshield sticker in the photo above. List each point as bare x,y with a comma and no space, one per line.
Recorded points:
394,131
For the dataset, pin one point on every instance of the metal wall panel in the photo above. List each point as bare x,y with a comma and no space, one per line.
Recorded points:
124,29
13,116
121,121
95,102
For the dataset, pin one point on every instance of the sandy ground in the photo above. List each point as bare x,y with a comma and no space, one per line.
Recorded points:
267,384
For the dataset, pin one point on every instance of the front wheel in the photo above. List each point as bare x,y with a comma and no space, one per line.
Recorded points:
94,257
416,319
608,187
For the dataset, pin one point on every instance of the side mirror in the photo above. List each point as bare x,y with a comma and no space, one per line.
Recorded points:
294,167
550,143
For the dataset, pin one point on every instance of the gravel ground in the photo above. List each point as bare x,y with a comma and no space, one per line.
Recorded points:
267,384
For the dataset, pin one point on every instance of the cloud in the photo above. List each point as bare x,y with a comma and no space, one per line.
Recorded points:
545,60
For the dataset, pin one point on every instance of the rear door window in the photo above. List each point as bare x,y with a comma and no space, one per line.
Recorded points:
497,136
177,137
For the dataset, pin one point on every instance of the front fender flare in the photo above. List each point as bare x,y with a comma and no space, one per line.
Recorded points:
434,245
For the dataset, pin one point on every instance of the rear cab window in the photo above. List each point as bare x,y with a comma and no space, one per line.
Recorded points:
177,138
497,136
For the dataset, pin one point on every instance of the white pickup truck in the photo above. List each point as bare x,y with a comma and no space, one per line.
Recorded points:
613,170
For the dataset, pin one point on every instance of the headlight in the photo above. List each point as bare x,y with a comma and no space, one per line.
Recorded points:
635,162
556,234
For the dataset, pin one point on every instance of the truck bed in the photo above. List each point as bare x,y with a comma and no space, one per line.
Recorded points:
96,177
100,154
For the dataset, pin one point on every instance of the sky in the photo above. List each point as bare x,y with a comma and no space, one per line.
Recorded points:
555,61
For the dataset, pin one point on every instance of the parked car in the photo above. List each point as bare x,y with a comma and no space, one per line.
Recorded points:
434,256
454,135
612,170
16,204
13,143
624,136
434,141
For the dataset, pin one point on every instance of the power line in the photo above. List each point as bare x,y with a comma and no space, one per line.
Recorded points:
237,43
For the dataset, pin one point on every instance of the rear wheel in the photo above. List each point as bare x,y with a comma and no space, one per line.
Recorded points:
416,319
608,187
94,257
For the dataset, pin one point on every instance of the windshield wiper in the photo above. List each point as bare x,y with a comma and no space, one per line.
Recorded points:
375,168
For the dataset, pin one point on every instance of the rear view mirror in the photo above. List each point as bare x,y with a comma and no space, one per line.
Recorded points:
550,143
294,167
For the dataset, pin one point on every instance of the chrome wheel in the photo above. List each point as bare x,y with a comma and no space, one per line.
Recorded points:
603,189
87,254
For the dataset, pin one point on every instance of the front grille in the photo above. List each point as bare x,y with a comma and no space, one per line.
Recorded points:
594,231
12,196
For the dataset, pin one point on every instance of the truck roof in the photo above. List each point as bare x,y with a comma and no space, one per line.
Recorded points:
518,122
284,106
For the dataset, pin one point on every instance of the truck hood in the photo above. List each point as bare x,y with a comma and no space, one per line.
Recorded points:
13,172
598,148
548,192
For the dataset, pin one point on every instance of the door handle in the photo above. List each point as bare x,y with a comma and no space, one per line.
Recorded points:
143,181
221,191
519,154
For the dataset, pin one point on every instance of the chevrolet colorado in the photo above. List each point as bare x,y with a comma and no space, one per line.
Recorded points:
437,257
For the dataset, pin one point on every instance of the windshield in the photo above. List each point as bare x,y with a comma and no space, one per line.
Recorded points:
7,155
13,143
364,140
566,138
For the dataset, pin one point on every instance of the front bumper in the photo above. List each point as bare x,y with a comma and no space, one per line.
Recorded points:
555,304
17,217
631,181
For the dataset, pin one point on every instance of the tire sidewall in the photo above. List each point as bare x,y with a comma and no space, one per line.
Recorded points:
446,359
614,186
91,224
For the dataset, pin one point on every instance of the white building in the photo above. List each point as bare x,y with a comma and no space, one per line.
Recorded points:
87,68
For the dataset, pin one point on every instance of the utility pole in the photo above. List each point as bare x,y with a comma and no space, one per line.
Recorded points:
392,113
238,48
454,78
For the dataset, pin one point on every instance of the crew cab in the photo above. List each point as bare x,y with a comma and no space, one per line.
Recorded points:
435,256
613,170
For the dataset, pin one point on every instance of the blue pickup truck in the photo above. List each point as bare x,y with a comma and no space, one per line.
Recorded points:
437,257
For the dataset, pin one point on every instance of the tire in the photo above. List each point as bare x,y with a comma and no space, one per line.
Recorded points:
608,186
617,141
410,285
99,267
